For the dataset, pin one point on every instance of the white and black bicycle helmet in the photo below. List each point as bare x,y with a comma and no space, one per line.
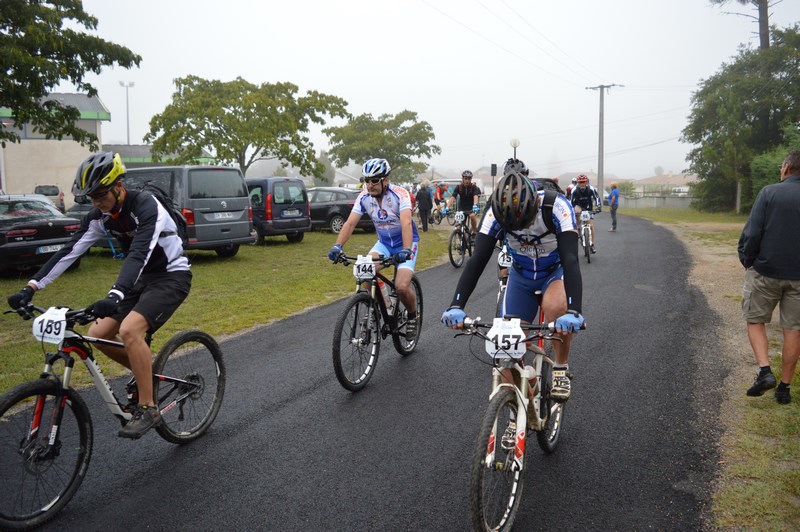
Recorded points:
376,168
514,202
515,165
466,174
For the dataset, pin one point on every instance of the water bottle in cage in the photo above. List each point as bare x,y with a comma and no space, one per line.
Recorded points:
389,301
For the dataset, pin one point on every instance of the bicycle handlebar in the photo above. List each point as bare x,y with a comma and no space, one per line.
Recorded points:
80,316
348,259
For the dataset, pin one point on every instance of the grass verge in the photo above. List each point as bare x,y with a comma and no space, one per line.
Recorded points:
759,484
257,286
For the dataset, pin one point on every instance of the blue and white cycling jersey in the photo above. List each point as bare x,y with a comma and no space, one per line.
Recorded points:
535,254
386,216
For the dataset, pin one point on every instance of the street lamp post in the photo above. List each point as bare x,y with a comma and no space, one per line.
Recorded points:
127,86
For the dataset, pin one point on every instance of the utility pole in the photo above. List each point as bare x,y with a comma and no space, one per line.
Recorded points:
127,108
600,142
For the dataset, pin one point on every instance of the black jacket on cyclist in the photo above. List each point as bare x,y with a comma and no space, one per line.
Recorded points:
565,242
145,231
586,198
465,196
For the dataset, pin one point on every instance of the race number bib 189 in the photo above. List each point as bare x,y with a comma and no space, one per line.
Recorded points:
50,326
364,268
506,339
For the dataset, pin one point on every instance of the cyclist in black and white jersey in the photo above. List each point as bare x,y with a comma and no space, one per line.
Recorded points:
153,282
585,197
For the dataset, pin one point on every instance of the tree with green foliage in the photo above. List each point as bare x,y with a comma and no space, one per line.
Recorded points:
626,189
764,167
37,52
398,139
241,123
724,123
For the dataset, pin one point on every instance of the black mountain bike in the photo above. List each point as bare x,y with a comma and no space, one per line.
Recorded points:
369,317
46,428
461,241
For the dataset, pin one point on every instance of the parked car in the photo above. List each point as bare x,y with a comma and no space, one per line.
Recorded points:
213,199
53,192
31,231
330,207
280,207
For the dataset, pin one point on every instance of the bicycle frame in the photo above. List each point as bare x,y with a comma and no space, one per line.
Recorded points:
374,291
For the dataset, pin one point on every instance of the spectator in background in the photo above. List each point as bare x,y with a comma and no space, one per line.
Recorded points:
768,248
613,205
425,202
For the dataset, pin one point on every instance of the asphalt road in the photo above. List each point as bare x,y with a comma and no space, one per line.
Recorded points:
292,450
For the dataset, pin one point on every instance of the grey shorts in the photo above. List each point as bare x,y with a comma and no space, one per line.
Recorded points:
156,296
761,294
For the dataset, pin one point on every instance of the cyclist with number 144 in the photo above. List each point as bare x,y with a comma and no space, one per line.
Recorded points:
544,260
389,206
153,282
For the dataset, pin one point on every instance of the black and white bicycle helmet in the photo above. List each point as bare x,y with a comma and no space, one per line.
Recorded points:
514,202
100,171
515,165
376,168
466,174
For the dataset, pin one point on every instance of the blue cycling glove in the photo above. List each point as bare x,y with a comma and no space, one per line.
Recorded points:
453,316
335,252
402,256
476,209
569,322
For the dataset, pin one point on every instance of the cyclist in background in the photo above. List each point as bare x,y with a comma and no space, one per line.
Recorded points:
542,260
571,187
467,193
153,282
389,206
585,197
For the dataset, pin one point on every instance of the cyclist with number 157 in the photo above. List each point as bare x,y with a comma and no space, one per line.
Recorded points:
389,206
544,260
153,282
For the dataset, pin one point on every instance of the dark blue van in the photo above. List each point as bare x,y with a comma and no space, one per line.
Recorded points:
280,207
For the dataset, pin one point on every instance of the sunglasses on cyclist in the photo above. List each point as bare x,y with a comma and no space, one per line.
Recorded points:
373,180
99,195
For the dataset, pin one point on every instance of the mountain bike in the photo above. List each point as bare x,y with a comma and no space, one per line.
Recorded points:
504,262
436,214
585,234
372,314
498,462
461,240
45,425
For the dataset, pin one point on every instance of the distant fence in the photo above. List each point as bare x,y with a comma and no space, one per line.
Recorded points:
662,202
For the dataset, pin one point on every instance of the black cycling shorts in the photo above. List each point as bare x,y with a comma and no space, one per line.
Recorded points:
156,296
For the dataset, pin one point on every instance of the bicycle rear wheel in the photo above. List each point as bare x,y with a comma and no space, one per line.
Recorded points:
190,405
356,342
548,436
456,249
496,482
403,345
38,479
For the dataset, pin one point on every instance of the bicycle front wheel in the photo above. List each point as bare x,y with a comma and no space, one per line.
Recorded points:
587,247
403,345
456,249
39,479
356,342
496,480
451,218
190,391
548,436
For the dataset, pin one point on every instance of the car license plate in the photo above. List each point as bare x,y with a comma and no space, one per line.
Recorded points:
223,215
48,249
291,212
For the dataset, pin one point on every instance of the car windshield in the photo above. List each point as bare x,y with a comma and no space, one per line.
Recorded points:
26,209
47,190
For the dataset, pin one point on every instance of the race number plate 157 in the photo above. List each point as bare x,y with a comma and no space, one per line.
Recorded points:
50,326
364,268
505,339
